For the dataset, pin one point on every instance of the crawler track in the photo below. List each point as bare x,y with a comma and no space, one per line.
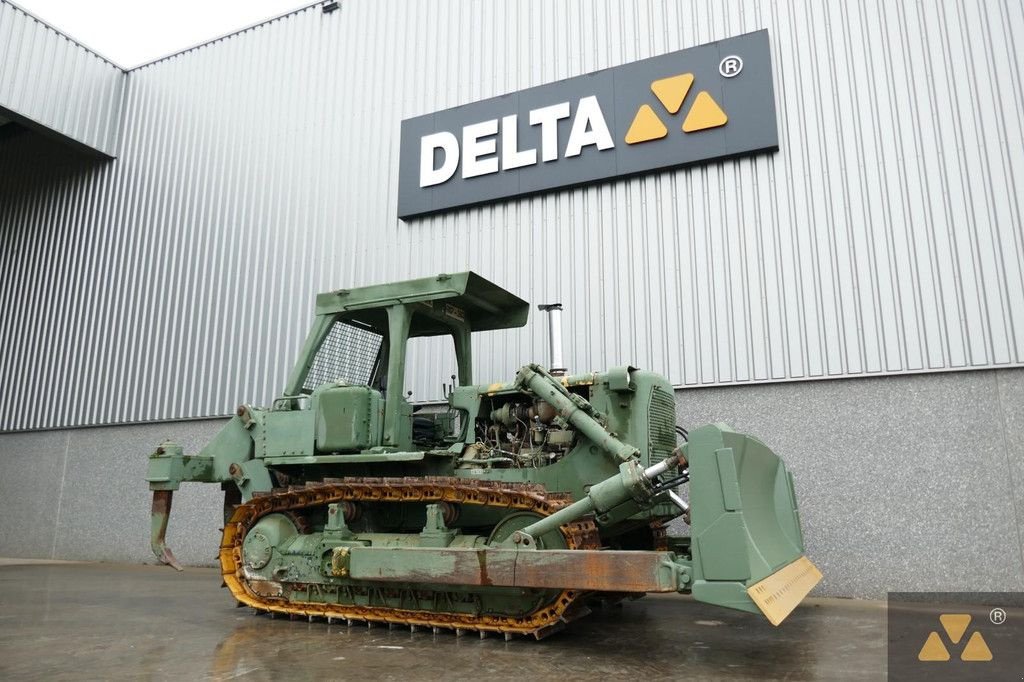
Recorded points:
543,620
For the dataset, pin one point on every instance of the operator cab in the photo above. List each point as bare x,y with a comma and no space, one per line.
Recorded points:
350,380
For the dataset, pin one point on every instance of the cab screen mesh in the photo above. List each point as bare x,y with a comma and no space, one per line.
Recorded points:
348,355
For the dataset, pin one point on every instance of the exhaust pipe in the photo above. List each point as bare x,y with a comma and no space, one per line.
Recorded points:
557,364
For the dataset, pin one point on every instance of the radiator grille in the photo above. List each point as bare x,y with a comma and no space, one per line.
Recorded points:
662,424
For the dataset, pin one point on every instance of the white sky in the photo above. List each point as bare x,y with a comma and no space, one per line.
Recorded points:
132,32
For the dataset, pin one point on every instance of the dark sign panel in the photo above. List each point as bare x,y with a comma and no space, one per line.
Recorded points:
939,636
706,102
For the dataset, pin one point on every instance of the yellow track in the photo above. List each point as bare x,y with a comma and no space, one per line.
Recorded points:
513,497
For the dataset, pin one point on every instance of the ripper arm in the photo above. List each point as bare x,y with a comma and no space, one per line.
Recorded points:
228,457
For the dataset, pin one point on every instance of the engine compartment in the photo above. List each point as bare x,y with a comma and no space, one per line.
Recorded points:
517,431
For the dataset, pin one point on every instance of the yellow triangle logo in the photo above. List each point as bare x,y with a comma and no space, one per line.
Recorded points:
976,649
672,91
955,625
705,113
933,649
645,126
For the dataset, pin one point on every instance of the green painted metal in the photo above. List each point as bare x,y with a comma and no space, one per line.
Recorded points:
628,488
744,523
348,459
606,439
347,418
464,294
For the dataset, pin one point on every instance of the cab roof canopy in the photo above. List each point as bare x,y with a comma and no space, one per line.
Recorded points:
448,300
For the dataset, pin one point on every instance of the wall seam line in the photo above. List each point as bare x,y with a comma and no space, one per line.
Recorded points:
60,495
1014,503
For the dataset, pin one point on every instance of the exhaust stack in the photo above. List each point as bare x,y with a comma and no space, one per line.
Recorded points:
557,364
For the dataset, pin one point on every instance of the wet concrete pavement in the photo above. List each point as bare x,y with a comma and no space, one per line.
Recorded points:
112,621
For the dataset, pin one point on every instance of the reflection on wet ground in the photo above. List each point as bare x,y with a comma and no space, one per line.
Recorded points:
110,621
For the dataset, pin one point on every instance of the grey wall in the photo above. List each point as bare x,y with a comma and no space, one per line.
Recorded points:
54,83
884,236
81,494
910,483
905,483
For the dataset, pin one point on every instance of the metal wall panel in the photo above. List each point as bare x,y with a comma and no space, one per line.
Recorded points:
54,82
884,237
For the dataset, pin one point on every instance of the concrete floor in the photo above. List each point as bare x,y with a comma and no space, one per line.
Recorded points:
114,621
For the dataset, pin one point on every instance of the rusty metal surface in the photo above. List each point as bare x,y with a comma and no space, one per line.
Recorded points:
159,515
586,570
266,588
548,617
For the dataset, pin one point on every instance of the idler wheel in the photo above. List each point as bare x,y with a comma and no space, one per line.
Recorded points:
269,532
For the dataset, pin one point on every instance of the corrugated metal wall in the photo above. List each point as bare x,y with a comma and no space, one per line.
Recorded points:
54,82
885,236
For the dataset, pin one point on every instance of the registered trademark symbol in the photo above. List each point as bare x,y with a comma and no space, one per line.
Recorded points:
997,616
730,66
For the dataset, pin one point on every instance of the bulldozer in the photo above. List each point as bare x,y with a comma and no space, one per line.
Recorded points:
509,509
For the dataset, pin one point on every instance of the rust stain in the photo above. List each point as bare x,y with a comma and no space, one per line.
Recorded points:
481,557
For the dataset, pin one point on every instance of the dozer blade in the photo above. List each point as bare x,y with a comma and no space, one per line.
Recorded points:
748,550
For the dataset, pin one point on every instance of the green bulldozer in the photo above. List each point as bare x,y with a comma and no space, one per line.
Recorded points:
508,512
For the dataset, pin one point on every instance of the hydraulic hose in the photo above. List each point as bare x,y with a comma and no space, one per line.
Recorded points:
574,410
